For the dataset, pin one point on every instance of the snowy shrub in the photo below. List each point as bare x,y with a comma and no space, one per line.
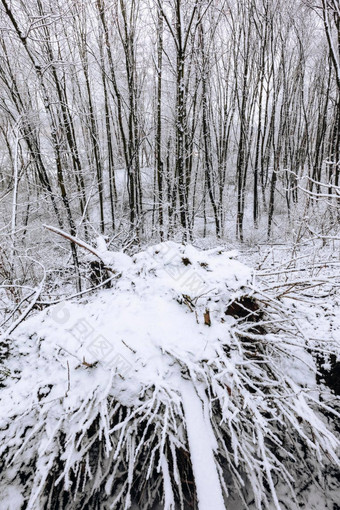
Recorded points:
185,386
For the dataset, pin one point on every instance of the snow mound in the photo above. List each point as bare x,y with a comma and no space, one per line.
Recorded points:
171,388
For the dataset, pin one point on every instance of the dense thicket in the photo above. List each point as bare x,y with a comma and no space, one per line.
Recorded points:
128,122
155,117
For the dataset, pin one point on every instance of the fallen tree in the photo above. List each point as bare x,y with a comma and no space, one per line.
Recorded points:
185,385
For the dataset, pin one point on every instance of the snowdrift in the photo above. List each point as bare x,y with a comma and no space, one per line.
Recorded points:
180,387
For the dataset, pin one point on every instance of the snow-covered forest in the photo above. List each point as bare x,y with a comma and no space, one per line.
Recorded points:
169,254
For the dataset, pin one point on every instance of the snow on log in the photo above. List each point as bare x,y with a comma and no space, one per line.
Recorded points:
178,387
208,487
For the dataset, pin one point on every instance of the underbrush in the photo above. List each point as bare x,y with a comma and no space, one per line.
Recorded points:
227,358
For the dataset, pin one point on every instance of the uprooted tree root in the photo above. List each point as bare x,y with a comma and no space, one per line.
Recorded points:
103,454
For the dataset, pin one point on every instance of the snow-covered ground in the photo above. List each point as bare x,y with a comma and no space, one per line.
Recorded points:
190,381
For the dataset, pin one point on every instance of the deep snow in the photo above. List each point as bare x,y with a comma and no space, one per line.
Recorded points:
162,327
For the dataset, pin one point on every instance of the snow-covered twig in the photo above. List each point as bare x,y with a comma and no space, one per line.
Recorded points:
30,307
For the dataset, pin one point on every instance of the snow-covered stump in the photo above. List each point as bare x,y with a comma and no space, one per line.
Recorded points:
184,386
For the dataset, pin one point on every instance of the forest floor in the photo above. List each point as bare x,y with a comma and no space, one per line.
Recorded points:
193,346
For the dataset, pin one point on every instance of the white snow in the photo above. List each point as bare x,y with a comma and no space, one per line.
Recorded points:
144,343
209,491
